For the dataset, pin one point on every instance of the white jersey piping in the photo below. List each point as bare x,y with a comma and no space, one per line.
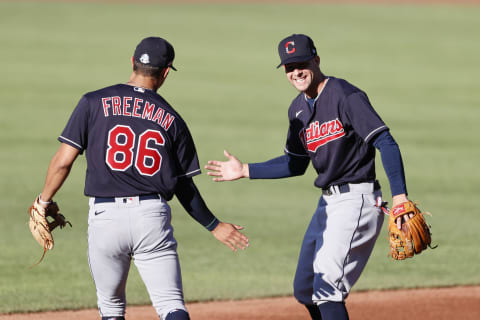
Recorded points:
72,142
374,131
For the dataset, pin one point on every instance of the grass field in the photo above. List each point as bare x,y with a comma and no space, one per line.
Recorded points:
418,64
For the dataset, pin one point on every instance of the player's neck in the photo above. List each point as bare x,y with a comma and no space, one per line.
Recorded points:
150,83
314,90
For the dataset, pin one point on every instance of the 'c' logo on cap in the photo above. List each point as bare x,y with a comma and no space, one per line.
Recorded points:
289,47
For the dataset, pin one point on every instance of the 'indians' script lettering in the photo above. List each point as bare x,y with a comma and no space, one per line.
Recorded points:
317,135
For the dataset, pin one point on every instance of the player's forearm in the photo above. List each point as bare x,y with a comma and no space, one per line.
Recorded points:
392,162
54,181
280,167
58,171
191,200
56,176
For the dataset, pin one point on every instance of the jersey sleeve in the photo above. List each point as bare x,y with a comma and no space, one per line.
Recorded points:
190,198
75,132
295,145
186,153
280,167
362,117
392,162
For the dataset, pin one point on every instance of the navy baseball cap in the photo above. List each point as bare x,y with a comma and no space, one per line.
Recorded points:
155,52
296,48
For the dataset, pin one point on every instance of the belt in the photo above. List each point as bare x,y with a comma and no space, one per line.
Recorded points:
125,199
345,187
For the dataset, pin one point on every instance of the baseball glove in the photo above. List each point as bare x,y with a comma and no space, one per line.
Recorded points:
414,235
41,228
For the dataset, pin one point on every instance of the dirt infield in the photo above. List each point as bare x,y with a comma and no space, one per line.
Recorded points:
459,303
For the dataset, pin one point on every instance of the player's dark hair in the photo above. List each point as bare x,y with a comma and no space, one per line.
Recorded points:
146,70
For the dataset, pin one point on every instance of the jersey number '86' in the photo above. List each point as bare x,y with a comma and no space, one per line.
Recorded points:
120,155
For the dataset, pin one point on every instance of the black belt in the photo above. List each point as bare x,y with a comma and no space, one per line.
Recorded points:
112,199
345,187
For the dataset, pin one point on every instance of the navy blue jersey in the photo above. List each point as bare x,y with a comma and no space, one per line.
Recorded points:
135,142
335,134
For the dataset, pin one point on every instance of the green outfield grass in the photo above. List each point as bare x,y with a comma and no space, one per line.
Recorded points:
418,64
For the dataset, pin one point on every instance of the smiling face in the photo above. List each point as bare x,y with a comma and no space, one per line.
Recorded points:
305,76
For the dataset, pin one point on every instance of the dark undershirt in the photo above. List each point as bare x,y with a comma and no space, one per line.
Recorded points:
191,200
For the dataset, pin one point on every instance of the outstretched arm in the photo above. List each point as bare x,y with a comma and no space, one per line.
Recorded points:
280,167
227,233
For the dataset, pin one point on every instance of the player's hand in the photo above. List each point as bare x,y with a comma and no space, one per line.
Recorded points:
399,199
230,170
228,234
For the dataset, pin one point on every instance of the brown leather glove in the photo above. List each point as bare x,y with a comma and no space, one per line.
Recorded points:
41,228
413,237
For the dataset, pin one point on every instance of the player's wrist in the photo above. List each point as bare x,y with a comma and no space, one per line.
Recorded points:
213,225
43,202
399,199
245,170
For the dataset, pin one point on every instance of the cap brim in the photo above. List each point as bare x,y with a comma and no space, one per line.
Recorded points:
296,59
173,68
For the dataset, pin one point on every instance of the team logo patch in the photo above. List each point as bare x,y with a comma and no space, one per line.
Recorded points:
145,58
290,47
317,135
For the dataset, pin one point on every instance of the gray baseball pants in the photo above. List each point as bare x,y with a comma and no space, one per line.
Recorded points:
338,244
127,229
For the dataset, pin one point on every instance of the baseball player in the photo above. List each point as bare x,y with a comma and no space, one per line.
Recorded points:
139,155
334,126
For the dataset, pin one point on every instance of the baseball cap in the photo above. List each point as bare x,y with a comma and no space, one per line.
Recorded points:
296,48
155,52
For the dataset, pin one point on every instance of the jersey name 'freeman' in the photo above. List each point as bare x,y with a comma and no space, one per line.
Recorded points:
137,108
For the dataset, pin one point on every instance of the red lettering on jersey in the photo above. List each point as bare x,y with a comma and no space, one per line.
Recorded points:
126,105
318,135
158,115
148,111
339,125
302,138
106,106
167,121
312,131
331,126
136,106
117,102
324,129
164,119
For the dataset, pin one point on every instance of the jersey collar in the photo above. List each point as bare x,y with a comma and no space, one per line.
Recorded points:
316,98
